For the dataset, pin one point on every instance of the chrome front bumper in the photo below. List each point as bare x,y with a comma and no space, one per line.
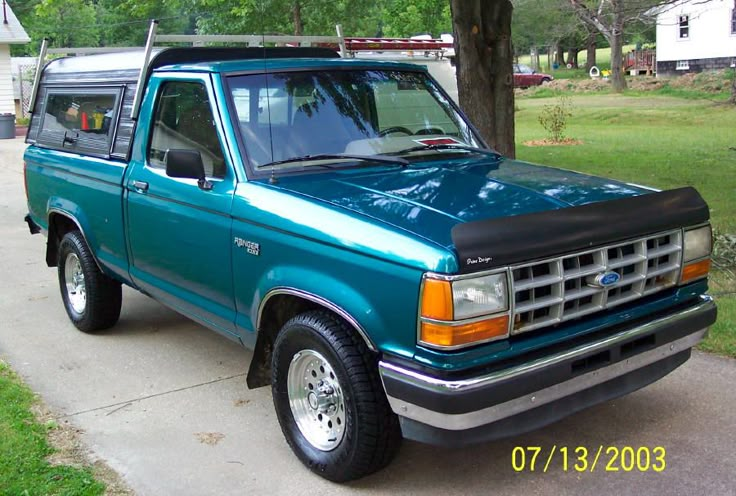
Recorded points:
472,402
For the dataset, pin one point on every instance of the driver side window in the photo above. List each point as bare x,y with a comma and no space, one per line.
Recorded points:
184,121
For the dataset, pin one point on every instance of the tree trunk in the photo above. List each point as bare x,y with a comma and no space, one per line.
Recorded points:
614,34
618,81
297,16
591,46
733,81
535,58
560,55
485,70
572,57
616,40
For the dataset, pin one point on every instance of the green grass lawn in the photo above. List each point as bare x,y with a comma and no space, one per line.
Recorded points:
602,59
658,141
24,469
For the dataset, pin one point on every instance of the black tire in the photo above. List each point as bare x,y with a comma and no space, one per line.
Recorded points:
544,81
372,435
103,295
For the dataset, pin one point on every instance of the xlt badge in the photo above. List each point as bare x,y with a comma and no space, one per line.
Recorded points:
252,247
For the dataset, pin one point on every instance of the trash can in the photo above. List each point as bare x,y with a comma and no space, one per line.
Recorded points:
7,126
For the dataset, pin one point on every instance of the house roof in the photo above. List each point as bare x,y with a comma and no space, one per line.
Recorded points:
12,32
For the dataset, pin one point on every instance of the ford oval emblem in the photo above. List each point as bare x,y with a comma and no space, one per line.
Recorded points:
606,279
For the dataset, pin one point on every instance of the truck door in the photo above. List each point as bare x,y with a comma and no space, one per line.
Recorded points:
179,230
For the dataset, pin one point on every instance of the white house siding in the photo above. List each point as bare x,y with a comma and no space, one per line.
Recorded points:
11,32
710,43
7,105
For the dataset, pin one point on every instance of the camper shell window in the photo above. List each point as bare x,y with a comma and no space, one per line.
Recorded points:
80,120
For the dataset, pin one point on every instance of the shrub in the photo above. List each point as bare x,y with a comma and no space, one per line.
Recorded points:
554,118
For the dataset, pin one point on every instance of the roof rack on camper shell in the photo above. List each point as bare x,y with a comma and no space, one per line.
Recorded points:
131,67
319,47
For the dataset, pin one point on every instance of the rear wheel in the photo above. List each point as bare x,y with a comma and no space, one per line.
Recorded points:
91,299
329,399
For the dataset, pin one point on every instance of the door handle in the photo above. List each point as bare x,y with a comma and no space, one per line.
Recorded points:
68,138
140,186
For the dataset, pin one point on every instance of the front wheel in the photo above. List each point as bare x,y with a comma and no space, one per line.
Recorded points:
91,299
329,399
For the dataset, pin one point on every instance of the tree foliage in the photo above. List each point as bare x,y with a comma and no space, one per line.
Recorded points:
412,17
540,23
65,22
123,22
116,16
305,17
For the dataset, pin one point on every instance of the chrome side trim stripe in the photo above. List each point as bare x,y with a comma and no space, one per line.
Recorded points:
529,401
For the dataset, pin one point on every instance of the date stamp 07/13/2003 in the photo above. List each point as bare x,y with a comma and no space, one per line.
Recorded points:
584,459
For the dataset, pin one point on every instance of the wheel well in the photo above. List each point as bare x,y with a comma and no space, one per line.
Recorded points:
59,225
276,312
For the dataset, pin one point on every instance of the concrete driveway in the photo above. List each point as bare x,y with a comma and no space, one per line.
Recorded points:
164,402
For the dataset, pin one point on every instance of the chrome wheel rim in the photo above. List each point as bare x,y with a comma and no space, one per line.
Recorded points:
316,400
76,291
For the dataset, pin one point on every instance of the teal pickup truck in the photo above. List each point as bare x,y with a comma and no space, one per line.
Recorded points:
393,275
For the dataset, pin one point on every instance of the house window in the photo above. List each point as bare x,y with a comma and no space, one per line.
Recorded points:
733,21
684,26
682,65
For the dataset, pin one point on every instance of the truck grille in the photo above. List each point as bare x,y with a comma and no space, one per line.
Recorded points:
560,289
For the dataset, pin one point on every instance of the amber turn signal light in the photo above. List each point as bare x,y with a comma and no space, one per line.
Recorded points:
436,300
695,270
448,336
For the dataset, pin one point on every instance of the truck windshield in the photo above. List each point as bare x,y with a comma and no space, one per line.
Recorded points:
293,115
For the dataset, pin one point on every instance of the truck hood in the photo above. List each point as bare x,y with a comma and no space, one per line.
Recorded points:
429,199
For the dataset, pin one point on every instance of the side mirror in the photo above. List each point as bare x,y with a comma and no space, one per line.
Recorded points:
186,164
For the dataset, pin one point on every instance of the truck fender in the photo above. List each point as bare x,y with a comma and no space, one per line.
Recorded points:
56,211
289,291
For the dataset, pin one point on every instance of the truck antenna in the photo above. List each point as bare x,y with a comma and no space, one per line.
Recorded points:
272,179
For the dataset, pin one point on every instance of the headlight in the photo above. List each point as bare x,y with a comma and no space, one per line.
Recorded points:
479,296
452,311
698,243
697,247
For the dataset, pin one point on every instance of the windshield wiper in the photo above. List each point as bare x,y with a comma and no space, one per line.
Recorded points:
332,156
447,146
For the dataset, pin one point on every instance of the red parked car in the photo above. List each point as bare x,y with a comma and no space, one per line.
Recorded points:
525,76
